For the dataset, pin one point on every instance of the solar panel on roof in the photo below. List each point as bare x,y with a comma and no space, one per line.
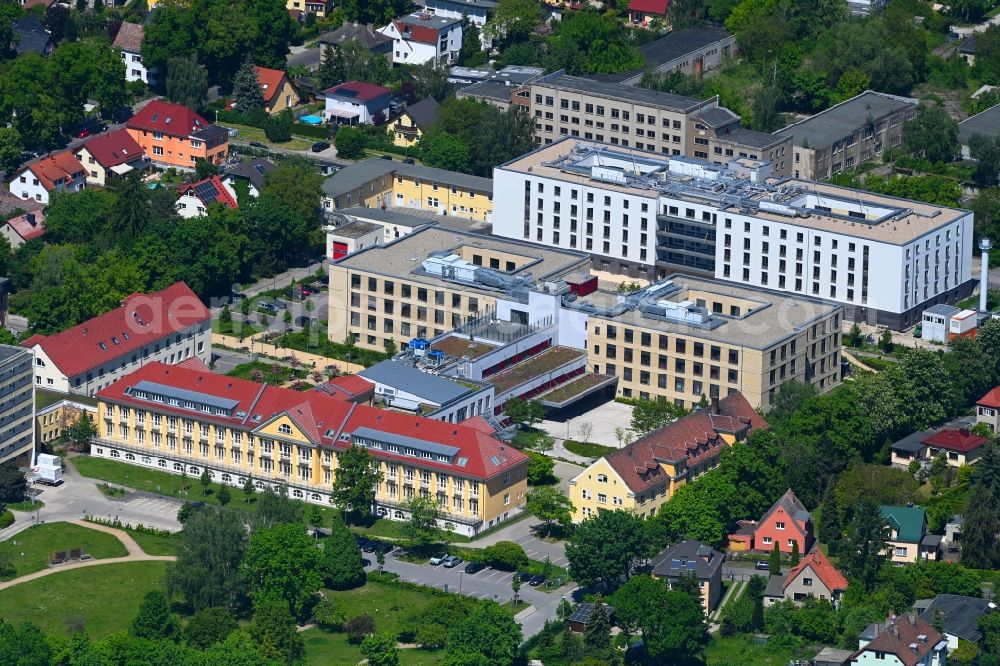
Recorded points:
347,92
259,168
206,191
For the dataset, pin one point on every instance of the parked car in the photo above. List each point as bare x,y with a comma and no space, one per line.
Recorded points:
452,561
257,144
536,580
438,559
84,133
302,319
280,304
762,566
371,546
320,146
409,160
267,307
474,567
386,157
523,576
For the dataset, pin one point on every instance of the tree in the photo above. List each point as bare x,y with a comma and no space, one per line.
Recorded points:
154,619
10,147
331,67
472,45
864,550
380,650
795,554
650,415
208,627
132,213
274,632
355,480
56,17
330,614
247,95
283,562
350,142
513,21
274,508
540,468
885,341
980,529
586,43
672,623
421,529
430,81
390,348
81,432
586,430
13,485
932,135
524,412
249,489
207,571
506,556
986,151
766,114
186,82
830,521
342,565
487,636
298,185
444,151
597,634
515,587
225,496
604,547
774,563
551,506
206,480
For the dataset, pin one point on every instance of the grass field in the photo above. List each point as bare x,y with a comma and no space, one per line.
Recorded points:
741,651
395,529
155,544
587,449
331,649
248,134
26,505
101,600
30,550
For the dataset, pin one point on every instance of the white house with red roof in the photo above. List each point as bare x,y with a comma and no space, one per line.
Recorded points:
422,38
186,420
128,42
59,172
278,92
643,12
356,103
904,640
23,228
988,409
814,575
195,198
109,155
170,326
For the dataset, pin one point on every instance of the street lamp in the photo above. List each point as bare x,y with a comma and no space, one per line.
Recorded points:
460,581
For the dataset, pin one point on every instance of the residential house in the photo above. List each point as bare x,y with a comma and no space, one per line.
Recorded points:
170,326
128,42
692,558
364,33
643,475
959,617
422,38
787,523
985,123
815,576
958,444
476,11
251,175
17,429
908,538
22,228
414,121
643,12
59,172
195,198
182,420
356,103
106,156
279,93
904,640
174,135
988,409
320,8
967,50
32,37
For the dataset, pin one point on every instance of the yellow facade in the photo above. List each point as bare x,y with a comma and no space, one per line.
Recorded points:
277,451
406,134
53,421
286,97
414,192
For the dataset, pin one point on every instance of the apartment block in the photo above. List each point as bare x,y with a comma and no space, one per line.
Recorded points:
378,183
848,134
185,420
883,258
395,292
657,122
17,405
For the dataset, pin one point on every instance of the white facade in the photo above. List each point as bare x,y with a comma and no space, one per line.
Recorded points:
135,69
344,107
415,49
192,342
27,185
188,206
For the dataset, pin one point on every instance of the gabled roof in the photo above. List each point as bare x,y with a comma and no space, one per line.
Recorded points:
255,171
991,399
32,35
209,191
959,615
793,508
141,320
690,439
658,7
423,28
956,439
687,558
129,38
818,563
358,90
29,225
366,34
55,167
908,637
424,113
169,118
907,521
331,422
348,386
112,149
270,81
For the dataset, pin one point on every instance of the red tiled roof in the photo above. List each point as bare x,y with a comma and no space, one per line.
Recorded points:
692,439
363,92
269,80
418,33
352,385
658,7
897,634
56,167
824,570
112,149
991,399
794,509
25,229
171,119
194,363
221,194
129,37
324,418
140,320
954,439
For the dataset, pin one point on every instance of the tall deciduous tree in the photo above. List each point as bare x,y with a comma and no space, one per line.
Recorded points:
208,627
342,565
932,135
421,529
605,547
380,650
283,562
274,632
207,571
551,506
672,623
488,636
186,81
355,480
524,412
154,619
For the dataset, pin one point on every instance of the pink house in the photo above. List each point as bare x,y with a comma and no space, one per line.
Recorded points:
786,523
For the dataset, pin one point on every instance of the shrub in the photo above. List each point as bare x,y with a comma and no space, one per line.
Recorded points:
329,614
506,556
6,519
358,627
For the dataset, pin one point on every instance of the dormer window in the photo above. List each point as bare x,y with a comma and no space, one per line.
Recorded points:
103,346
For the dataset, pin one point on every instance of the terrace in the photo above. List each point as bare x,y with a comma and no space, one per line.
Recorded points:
574,390
548,362
458,347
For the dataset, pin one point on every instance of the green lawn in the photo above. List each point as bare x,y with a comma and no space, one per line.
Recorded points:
512,609
395,530
248,134
155,544
101,600
26,505
332,649
587,449
30,550
741,651
235,328
246,371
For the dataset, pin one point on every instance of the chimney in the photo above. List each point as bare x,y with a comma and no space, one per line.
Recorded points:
715,405
984,271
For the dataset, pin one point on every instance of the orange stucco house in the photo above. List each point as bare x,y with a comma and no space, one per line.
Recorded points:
174,135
